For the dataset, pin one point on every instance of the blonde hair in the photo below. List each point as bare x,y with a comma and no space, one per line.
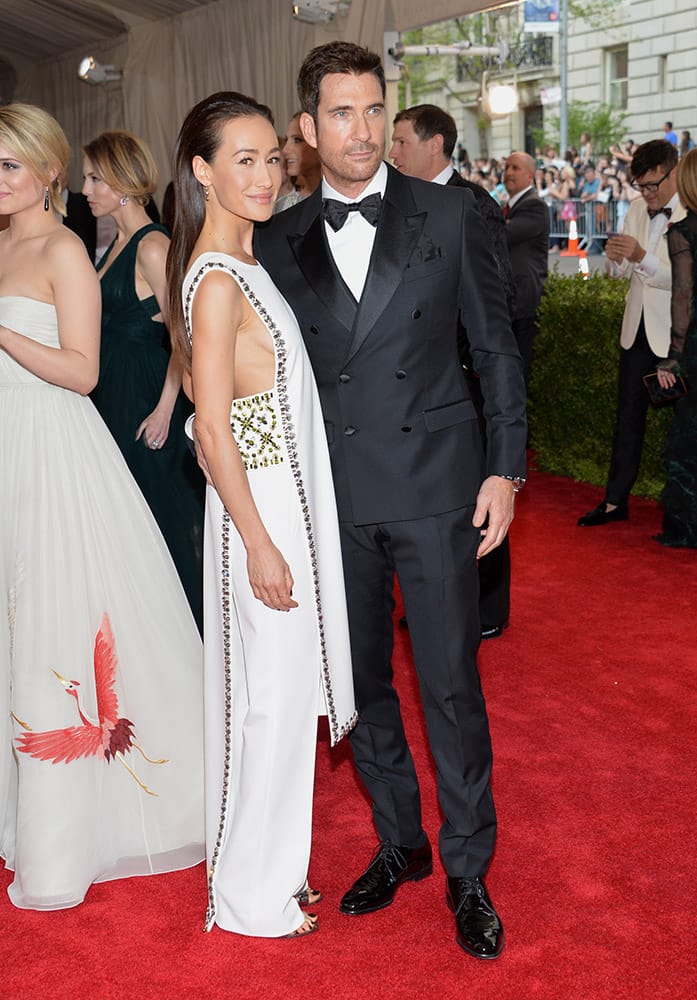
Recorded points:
37,140
125,163
687,180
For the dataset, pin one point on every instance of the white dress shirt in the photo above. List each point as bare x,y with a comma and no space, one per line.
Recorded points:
649,263
444,176
352,245
516,197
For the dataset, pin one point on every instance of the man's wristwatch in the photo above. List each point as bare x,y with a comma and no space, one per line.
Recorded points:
518,481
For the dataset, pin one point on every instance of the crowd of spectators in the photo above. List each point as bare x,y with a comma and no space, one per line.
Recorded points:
582,182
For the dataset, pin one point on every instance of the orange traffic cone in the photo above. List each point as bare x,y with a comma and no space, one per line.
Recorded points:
583,264
572,248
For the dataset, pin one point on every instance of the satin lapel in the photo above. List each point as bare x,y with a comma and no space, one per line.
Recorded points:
398,232
319,270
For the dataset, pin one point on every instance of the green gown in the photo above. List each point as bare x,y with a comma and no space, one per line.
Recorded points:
134,356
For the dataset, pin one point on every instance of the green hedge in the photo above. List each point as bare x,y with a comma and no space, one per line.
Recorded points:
573,387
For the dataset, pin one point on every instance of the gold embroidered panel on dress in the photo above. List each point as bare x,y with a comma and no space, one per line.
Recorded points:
256,430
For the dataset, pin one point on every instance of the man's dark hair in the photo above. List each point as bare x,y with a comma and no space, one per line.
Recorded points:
658,153
428,120
334,57
669,124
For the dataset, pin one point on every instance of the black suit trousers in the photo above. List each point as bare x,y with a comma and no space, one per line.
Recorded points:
434,559
632,406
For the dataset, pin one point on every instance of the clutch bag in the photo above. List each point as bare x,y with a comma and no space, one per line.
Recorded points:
658,395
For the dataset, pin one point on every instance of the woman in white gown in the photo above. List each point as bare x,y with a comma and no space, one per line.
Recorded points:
276,650
100,660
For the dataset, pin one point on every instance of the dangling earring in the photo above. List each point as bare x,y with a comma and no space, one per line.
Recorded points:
206,191
46,201
124,200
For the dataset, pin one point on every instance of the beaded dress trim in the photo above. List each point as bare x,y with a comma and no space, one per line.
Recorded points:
288,432
255,427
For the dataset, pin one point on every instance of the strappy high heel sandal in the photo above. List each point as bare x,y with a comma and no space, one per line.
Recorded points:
309,925
309,897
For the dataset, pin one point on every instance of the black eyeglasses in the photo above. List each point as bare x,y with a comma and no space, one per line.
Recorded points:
651,188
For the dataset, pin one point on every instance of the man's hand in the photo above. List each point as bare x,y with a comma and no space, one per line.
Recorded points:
619,248
496,498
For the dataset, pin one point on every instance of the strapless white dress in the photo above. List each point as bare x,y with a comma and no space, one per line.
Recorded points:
100,659
269,674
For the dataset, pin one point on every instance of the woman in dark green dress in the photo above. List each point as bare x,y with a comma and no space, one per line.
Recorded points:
680,494
139,390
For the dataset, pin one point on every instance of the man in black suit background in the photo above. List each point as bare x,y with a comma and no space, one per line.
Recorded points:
379,268
527,232
423,140
79,218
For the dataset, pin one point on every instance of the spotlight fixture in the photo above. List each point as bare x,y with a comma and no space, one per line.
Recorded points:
503,100
94,72
319,11
498,100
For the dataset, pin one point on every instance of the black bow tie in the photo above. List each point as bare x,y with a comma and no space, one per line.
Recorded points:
653,212
336,212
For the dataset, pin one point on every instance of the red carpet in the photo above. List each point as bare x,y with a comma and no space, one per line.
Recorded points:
592,699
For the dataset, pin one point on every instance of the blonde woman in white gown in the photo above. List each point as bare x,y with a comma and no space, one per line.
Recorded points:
276,647
100,660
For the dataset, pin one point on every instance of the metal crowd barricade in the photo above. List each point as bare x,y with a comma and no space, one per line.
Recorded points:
595,220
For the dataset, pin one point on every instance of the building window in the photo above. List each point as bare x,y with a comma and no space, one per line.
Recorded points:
662,74
617,62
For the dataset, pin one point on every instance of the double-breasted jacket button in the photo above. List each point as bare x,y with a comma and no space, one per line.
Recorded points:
350,431
416,314
344,377
400,373
314,329
406,429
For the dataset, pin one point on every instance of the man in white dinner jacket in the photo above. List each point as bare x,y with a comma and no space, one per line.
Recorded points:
639,252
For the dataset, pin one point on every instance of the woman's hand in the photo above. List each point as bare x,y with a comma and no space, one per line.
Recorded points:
270,577
155,428
666,378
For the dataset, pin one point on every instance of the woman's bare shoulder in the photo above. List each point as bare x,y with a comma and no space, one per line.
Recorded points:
62,242
153,245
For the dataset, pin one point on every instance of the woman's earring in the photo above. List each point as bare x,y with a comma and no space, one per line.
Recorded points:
124,200
46,202
206,191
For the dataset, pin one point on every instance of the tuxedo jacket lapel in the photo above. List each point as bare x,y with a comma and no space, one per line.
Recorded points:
398,231
528,194
317,264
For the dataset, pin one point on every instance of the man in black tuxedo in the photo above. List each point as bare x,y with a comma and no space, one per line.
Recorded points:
79,218
378,288
527,232
423,140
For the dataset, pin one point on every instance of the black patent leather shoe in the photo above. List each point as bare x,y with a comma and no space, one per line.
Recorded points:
600,515
479,929
391,866
494,631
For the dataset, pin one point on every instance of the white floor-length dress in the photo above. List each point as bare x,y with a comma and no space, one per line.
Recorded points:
100,658
268,675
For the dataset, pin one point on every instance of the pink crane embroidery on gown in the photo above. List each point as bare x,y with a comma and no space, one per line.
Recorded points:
108,737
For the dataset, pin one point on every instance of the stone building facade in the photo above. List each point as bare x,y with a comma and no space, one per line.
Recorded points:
641,59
